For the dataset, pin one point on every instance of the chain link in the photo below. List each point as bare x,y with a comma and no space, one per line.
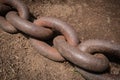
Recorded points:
60,26
22,10
100,46
97,63
4,24
27,26
108,48
90,57
56,25
20,6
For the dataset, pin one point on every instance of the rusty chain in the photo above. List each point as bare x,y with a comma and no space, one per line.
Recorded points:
22,10
4,9
89,57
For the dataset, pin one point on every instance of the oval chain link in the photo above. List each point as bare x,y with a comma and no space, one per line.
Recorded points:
100,46
20,6
108,48
22,11
97,63
60,26
5,25
28,27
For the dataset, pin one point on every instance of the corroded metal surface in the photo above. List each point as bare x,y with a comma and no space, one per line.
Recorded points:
6,26
97,63
46,50
22,9
89,56
60,26
19,6
28,27
101,46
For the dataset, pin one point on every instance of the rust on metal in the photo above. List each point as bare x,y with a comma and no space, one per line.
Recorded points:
46,50
28,27
22,11
100,46
6,26
88,57
65,29
19,5
60,26
96,63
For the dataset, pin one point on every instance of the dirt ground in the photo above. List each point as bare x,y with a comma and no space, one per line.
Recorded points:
92,19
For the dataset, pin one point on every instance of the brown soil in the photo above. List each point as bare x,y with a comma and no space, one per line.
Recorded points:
92,19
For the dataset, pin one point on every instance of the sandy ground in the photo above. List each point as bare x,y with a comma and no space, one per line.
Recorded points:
92,19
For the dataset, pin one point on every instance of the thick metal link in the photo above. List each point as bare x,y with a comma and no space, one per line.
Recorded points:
28,27
22,10
68,46
3,23
6,26
46,50
96,63
60,26
19,5
97,76
100,46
